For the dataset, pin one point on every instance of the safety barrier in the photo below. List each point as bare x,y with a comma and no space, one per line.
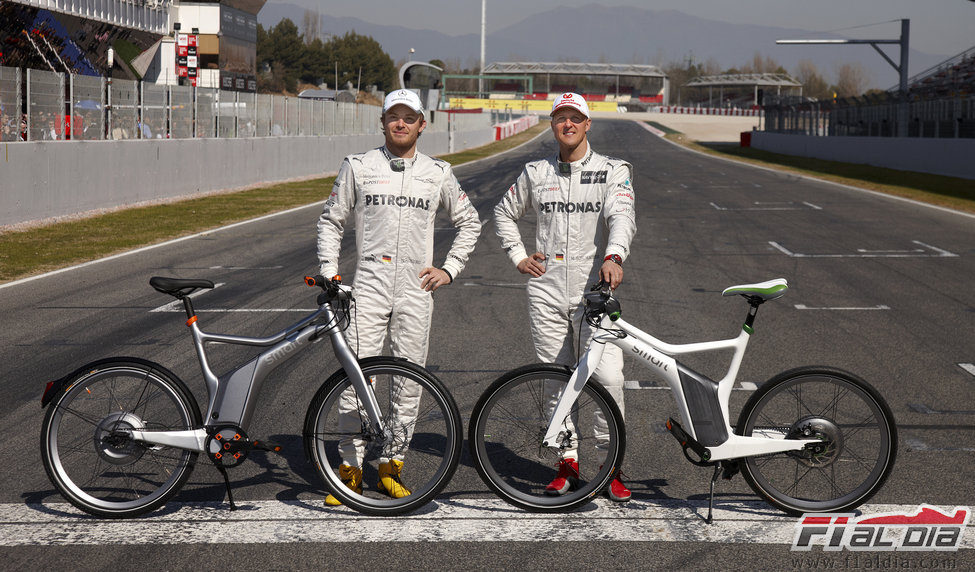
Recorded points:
514,126
734,112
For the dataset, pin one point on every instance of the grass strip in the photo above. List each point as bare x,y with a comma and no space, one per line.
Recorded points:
41,249
951,192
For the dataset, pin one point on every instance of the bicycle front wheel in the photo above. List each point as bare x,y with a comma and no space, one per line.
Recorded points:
854,423
509,422
87,450
419,451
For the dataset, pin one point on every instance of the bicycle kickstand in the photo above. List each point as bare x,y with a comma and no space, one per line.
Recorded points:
714,479
226,481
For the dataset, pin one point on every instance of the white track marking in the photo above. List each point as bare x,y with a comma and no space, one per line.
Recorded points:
245,267
177,306
969,367
457,520
914,445
780,171
161,244
861,253
494,284
782,206
234,310
877,307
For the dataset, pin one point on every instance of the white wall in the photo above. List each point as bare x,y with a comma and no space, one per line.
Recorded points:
45,179
951,157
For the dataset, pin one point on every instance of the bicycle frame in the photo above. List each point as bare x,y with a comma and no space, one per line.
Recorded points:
701,402
231,399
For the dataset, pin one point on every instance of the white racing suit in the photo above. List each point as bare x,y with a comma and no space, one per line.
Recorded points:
585,212
395,202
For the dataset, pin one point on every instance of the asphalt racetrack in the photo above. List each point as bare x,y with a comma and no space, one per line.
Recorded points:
879,286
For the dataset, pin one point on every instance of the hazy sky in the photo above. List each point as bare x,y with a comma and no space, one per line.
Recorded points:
944,27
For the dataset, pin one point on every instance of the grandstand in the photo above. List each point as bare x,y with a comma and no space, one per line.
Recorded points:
605,86
73,36
741,91
954,77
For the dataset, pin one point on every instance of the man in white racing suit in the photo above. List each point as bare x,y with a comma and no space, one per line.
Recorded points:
394,193
584,203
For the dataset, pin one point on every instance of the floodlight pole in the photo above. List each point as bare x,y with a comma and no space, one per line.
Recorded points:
901,67
480,80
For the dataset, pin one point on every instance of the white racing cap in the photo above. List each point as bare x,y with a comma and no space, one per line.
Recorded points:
573,100
403,97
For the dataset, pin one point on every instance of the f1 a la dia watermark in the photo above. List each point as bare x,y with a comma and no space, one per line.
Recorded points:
925,529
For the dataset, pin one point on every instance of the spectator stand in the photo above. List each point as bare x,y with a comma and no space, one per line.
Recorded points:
741,91
626,85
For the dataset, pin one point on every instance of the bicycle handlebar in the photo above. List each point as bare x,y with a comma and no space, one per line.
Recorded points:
600,300
331,289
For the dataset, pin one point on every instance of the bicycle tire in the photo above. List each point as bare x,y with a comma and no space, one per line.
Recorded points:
506,430
860,440
429,446
102,472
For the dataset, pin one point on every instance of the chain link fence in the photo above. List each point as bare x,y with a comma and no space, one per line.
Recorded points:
45,106
56,106
13,122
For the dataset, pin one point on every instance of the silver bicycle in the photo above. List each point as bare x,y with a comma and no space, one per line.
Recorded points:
121,435
811,439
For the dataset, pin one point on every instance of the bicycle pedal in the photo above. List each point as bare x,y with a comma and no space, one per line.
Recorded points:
731,469
269,446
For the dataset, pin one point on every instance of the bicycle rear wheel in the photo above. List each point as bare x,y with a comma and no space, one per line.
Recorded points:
509,422
428,444
847,414
86,449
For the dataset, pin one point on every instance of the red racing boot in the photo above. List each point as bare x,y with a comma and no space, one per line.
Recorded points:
566,479
617,491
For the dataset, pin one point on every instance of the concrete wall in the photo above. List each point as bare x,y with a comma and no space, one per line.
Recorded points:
951,157
46,179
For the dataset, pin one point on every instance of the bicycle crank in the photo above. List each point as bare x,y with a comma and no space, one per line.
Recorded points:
227,445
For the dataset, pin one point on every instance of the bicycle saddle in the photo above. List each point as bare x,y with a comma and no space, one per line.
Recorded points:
178,287
769,290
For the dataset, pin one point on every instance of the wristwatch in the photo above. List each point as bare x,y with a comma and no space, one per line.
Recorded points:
615,258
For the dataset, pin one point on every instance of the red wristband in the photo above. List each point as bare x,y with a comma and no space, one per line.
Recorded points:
615,258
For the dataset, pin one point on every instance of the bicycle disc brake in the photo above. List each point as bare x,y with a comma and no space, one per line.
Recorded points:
817,454
114,443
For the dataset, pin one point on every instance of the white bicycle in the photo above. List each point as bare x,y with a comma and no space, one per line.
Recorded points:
811,439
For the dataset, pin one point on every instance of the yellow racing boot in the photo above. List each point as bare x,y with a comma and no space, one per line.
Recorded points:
389,479
352,477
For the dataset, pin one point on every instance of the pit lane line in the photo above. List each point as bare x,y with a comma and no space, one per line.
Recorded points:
464,520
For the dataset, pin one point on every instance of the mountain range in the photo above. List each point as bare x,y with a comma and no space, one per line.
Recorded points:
618,35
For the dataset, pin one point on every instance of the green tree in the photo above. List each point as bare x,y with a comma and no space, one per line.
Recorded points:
280,48
355,53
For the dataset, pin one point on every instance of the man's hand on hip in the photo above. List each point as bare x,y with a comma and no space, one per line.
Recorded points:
533,265
432,278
